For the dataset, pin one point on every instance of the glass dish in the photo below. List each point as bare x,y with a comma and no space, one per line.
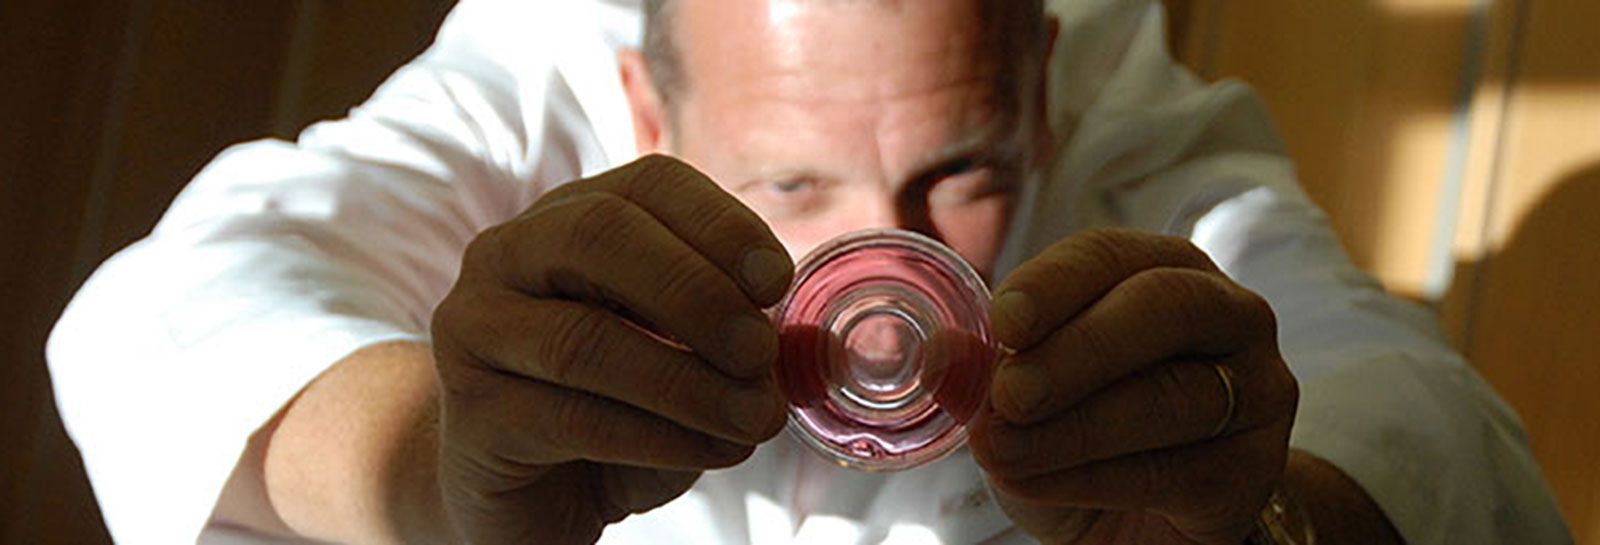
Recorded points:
884,349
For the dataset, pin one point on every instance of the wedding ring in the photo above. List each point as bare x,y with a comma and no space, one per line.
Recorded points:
1233,398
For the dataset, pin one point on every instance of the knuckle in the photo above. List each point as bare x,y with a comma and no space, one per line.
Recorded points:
1257,312
657,167
676,384
1186,295
484,246
723,227
680,386
1104,238
1091,340
1208,493
1187,254
1158,477
1160,284
441,326
1055,272
684,281
486,253
1137,249
1079,258
1268,393
459,369
1183,284
1126,249
573,341
1074,441
1283,391
462,314
468,406
573,423
1291,393
1177,398
721,224
1151,477
658,175
600,223
463,389
1104,248
1012,453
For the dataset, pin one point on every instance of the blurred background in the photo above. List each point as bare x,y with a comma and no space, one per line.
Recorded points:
1454,143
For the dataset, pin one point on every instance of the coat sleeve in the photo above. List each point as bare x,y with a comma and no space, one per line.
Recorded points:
1383,396
280,258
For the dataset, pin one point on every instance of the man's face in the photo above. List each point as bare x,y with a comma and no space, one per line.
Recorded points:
831,116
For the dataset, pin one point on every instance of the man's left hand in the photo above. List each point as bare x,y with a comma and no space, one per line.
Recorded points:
1146,401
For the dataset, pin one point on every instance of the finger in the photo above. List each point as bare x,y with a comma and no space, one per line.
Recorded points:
638,489
589,349
600,248
1155,315
1048,290
959,365
1166,406
1201,478
705,217
515,423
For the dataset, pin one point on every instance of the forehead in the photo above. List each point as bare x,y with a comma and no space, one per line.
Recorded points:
837,50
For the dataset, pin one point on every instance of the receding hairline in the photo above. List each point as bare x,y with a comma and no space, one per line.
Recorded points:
660,49
665,63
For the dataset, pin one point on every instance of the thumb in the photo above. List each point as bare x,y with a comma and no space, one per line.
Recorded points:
958,364
638,489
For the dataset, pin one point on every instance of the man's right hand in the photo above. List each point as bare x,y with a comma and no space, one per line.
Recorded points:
563,407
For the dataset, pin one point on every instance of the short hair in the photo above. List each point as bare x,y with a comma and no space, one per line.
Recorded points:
665,65
661,51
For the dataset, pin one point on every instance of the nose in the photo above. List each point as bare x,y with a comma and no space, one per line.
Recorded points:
912,214
880,212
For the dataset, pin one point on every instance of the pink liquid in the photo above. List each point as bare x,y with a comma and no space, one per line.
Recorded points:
884,350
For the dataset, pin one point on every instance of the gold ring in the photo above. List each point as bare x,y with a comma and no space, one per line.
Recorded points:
1233,401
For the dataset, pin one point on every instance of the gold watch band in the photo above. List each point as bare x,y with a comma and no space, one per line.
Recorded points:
1282,522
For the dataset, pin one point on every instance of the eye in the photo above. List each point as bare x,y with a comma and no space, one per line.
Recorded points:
791,186
959,167
965,182
787,196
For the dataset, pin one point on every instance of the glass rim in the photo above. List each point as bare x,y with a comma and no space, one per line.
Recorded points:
848,242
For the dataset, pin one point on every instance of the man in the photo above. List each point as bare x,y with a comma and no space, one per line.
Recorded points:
515,400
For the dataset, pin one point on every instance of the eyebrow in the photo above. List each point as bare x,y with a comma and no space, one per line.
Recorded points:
986,144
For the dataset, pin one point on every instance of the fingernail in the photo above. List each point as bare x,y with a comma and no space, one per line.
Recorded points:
763,269
751,345
1017,308
752,412
1021,389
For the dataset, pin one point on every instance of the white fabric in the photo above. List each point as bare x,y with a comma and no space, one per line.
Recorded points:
280,258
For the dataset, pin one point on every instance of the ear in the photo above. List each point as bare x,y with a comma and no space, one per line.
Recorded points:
650,125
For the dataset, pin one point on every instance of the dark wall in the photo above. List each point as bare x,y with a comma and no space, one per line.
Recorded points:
107,108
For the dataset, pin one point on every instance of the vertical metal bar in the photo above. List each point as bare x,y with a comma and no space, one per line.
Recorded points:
1496,172
1441,256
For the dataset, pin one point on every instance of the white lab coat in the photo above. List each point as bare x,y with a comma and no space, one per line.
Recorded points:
281,258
